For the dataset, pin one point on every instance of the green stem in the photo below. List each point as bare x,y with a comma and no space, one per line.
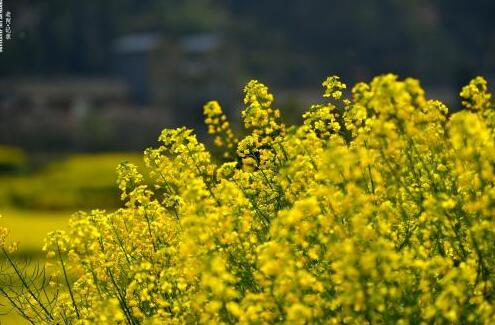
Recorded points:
26,285
67,282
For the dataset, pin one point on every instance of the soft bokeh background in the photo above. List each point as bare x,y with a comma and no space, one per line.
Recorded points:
85,84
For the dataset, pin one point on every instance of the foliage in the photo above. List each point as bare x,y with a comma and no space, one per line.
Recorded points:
11,158
377,209
83,181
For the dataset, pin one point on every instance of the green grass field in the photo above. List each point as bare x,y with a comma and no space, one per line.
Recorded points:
83,181
32,205
29,228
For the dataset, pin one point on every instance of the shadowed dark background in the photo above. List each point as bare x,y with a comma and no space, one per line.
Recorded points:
99,75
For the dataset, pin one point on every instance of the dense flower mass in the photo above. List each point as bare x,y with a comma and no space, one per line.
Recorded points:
379,208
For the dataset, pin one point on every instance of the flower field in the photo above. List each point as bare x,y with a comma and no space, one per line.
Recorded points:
378,209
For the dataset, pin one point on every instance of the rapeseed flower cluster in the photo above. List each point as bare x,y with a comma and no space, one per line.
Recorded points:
377,209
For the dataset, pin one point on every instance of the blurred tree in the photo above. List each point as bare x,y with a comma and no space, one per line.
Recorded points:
288,41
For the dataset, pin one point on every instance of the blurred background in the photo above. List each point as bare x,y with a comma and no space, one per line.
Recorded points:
107,75
85,84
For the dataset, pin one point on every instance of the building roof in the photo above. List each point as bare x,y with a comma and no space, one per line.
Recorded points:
200,43
136,43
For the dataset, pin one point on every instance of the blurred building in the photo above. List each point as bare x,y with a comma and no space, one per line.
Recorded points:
201,69
177,74
65,98
133,63
72,113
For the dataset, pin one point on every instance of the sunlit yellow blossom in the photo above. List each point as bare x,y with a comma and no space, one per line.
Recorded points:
378,209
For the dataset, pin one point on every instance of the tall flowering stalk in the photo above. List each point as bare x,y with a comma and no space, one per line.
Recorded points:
377,209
